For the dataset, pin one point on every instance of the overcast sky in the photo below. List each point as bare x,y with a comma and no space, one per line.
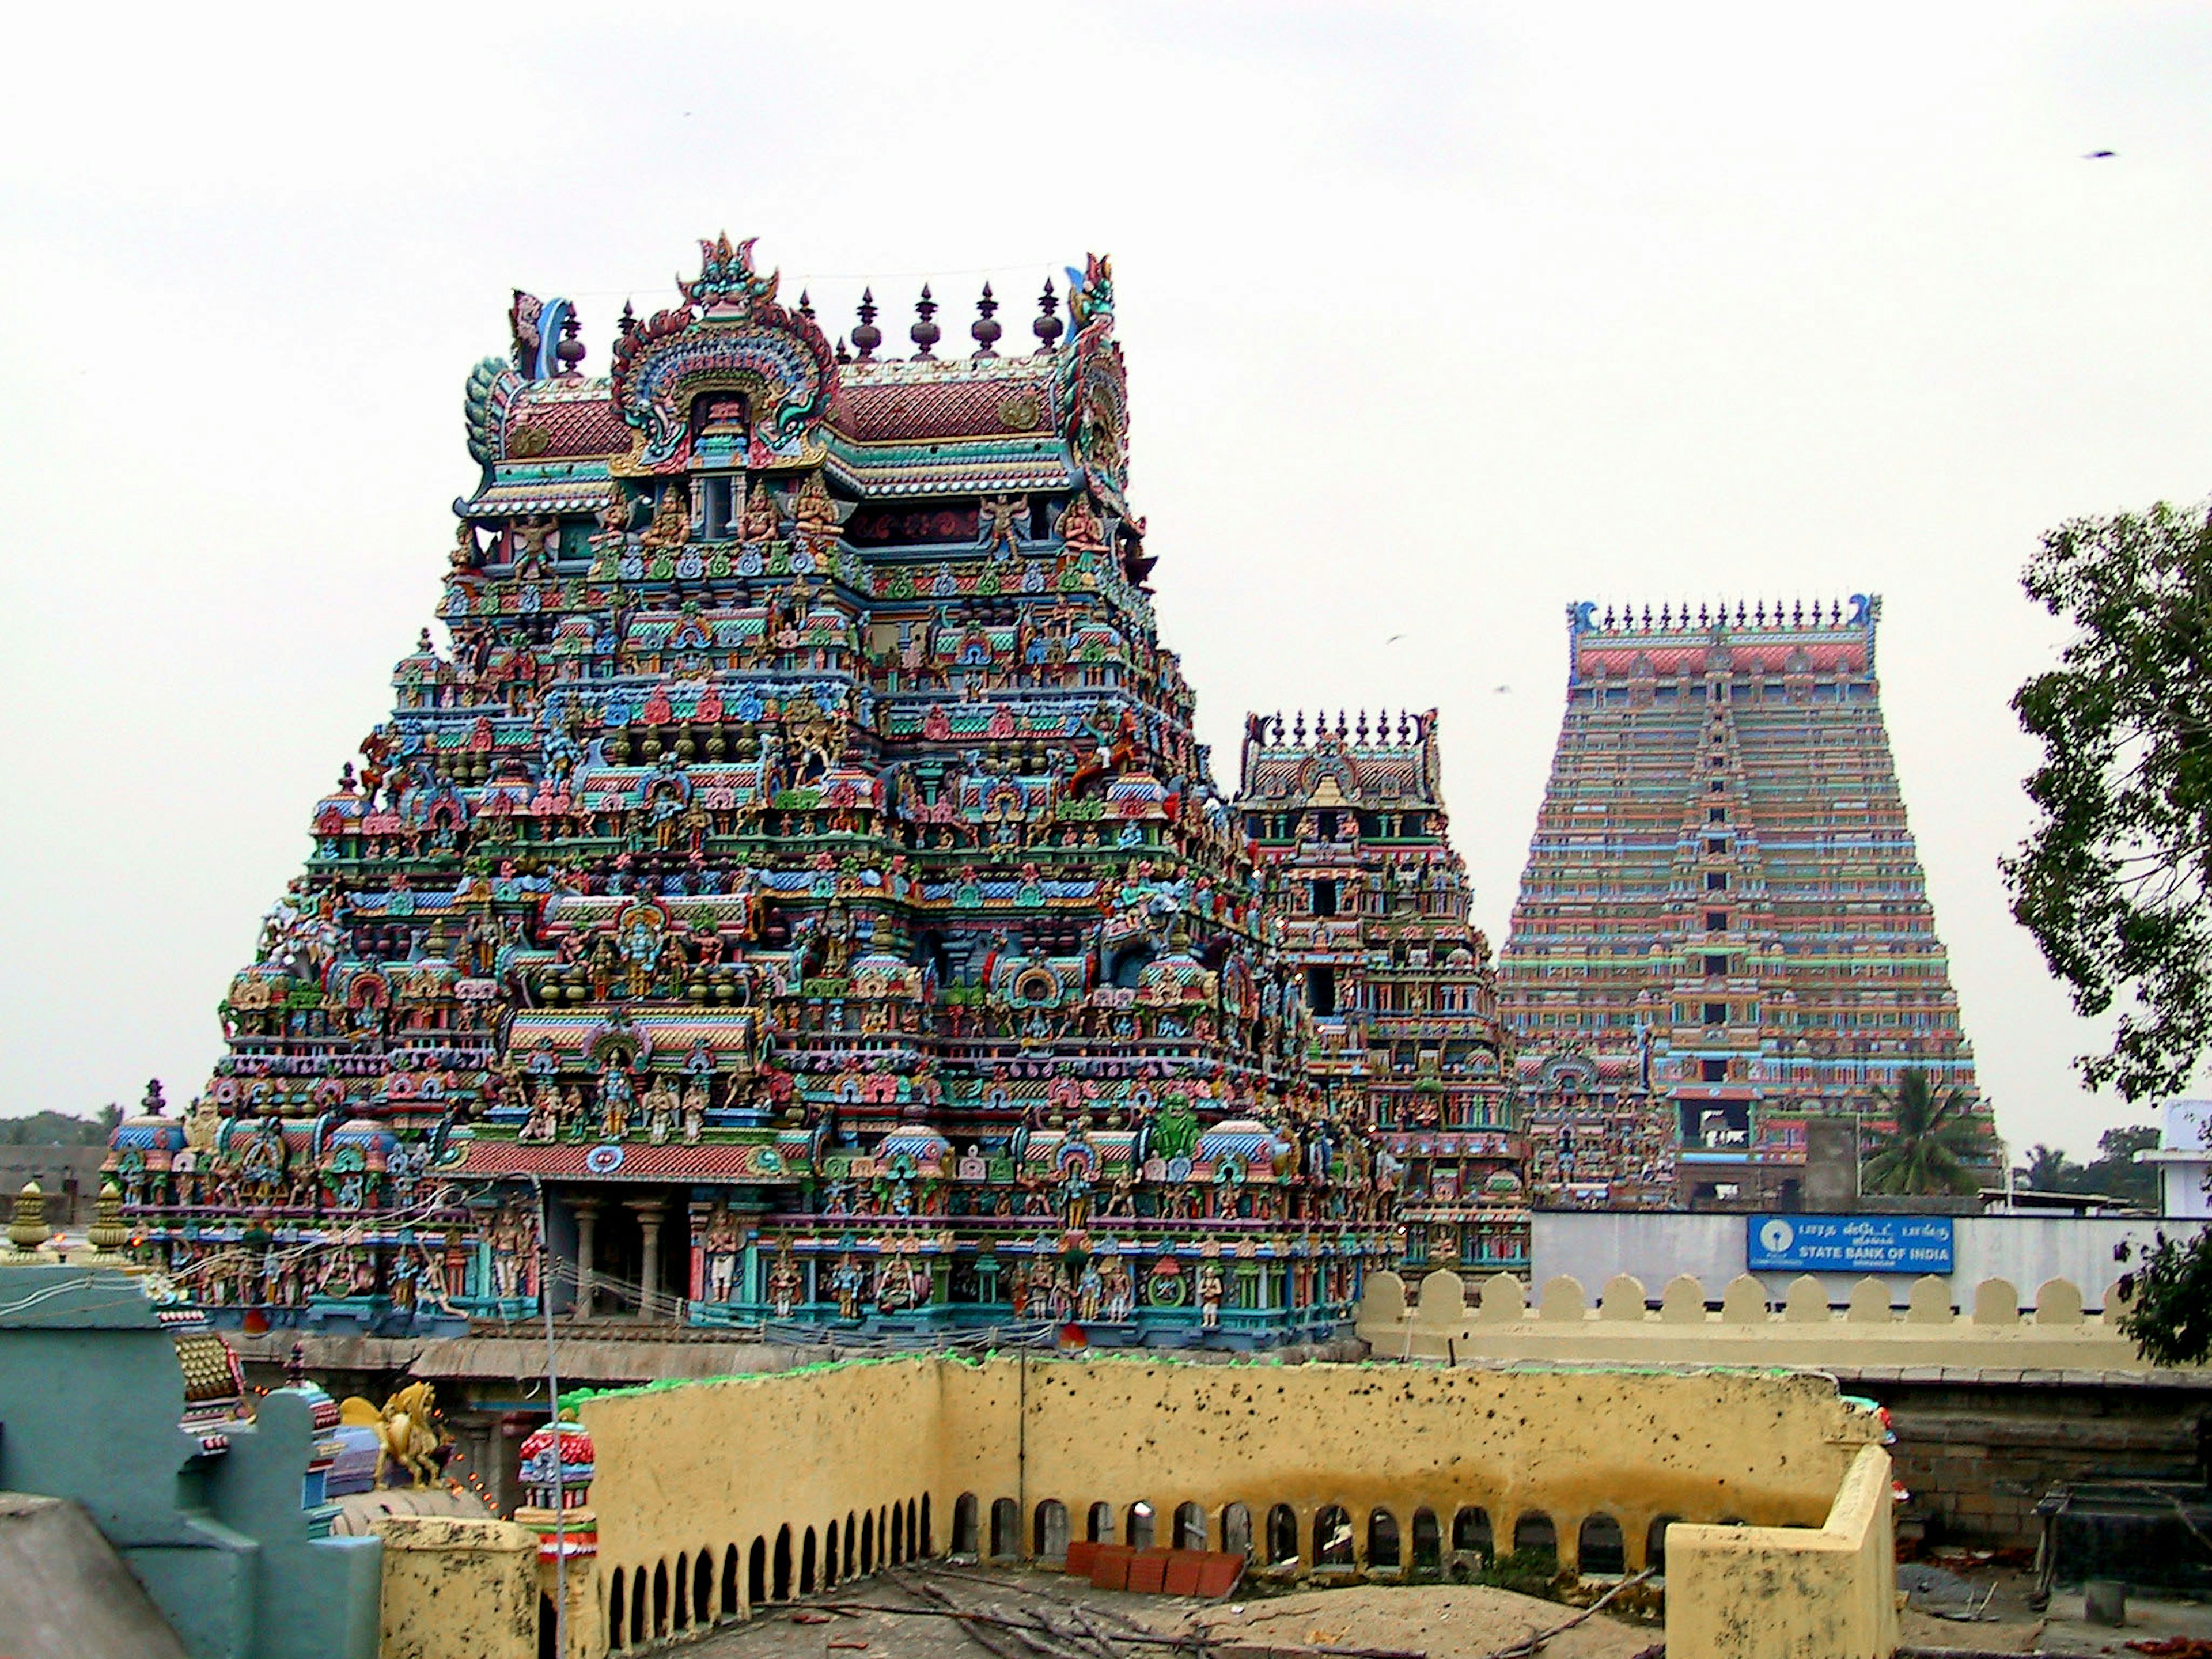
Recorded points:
1438,318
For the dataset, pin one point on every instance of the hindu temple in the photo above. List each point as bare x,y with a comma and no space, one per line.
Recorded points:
1722,939
794,893
1369,903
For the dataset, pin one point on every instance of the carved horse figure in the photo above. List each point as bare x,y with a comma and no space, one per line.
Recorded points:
407,1434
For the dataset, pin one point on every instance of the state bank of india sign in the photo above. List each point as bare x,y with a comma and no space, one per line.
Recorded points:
1848,1243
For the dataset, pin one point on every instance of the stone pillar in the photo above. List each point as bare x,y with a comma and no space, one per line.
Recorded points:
649,1214
587,1222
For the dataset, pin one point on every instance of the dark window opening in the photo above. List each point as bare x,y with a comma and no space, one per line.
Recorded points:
1320,989
1533,1534
1382,1547
1324,897
1716,922
1471,1531
1715,844
1717,881
1713,1071
1717,815
1716,1013
718,514
1282,1535
1600,1547
1716,965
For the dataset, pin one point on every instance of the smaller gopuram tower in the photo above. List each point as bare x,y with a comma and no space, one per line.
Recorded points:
1723,932
1370,902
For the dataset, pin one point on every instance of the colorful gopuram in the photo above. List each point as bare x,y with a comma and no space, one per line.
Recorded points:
794,895
1722,933
1368,902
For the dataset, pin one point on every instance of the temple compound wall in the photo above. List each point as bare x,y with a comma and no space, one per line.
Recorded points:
715,1497
1991,1407
1499,1322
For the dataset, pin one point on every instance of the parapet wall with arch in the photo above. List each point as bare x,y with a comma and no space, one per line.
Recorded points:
716,1497
1686,1322
1357,1462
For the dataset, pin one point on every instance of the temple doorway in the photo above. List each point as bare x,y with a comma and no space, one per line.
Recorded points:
649,1233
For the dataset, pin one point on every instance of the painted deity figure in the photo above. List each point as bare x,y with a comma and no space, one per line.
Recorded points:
721,1247
1120,1300
641,949
1074,1192
672,517
891,1284
845,1280
784,1284
1001,524
616,1097
757,523
1209,1296
543,1123
505,1238
695,1109
813,514
660,1109
1089,1291
533,557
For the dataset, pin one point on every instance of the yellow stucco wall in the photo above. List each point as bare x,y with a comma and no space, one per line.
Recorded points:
708,1469
1763,1593
1501,1318
1636,1446
458,1588
705,1468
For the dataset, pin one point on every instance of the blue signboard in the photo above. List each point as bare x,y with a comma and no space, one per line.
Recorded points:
1848,1243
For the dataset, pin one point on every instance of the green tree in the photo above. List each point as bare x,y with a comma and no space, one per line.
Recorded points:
1935,1145
2115,1171
59,1129
2047,1170
2116,881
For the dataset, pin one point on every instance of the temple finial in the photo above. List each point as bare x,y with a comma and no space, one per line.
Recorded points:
866,337
805,305
1046,325
925,333
985,329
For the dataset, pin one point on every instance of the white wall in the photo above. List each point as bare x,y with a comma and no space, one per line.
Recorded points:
2182,1182
1592,1247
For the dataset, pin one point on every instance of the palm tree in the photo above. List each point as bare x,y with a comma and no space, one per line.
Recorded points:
1933,1143
2048,1169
